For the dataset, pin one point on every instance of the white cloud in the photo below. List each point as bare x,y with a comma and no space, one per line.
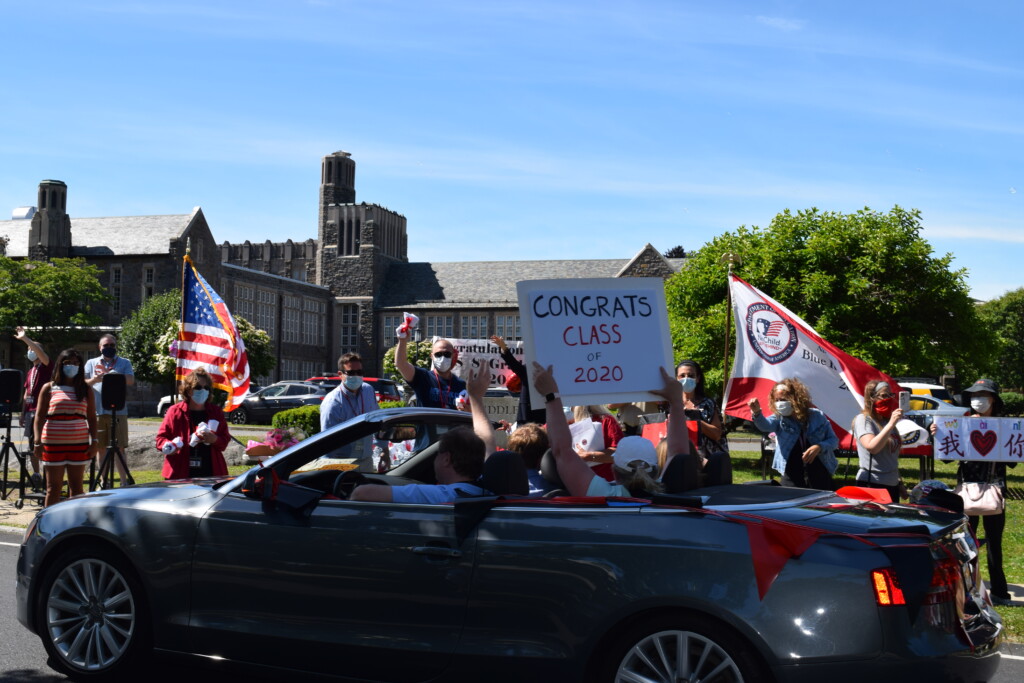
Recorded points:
780,23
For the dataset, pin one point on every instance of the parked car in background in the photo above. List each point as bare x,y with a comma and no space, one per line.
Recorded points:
924,409
165,401
727,584
267,402
385,389
916,387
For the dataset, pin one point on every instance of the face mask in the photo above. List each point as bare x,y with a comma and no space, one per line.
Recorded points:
442,364
981,404
109,351
31,355
353,382
70,370
885,406
200,395
784,408
689,384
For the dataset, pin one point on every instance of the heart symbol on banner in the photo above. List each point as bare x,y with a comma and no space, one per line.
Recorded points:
983,442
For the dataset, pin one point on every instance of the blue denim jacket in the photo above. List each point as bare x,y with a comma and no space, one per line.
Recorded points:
787,434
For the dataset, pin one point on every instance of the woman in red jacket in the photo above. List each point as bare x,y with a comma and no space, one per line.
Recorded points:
191,446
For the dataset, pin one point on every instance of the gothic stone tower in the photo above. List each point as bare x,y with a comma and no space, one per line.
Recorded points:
358,244
50,233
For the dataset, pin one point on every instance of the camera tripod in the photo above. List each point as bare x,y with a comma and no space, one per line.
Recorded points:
5,463
105,475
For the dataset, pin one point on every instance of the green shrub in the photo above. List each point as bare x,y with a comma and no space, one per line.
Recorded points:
392,404
1013,403
306,418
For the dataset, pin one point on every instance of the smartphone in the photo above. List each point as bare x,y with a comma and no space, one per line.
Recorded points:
693,414
904,401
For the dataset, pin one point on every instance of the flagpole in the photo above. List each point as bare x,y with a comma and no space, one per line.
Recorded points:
730,258
181,317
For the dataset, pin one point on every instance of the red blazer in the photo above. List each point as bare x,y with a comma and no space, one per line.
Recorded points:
176,423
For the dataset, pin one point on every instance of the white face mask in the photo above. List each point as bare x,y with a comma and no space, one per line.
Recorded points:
689,384
353,382
981,404
784,408
32,355
70,370
442,364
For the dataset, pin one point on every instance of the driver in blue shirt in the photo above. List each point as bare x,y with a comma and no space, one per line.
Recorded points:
459,462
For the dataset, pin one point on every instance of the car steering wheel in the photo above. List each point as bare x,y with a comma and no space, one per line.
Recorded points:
346,482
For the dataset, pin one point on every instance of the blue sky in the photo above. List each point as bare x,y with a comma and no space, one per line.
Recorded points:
521,130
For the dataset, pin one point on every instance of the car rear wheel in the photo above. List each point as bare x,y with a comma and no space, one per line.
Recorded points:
238,416
92,616
678,648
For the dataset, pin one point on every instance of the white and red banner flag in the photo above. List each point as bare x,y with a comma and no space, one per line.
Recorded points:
773,343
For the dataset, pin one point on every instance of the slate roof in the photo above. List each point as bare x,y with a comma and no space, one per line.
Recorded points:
483,282
117,236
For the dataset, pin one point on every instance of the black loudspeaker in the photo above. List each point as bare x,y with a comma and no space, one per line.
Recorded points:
11,387
112,394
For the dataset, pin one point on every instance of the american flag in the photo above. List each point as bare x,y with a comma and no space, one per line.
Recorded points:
209,339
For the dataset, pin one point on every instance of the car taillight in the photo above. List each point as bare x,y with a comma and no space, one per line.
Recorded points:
943,604
887,587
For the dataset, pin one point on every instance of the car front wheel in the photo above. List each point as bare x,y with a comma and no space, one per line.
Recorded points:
682,648
92,616
238,416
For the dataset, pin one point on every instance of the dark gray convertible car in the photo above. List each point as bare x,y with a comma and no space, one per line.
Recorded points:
276,568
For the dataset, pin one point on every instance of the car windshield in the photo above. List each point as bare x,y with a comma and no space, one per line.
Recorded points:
395,444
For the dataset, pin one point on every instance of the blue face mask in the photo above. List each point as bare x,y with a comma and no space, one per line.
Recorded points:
70,370
353,382
689,384
200,395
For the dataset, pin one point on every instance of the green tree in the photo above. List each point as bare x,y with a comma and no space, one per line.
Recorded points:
147,334
52,298
1005,316
867,282
142,333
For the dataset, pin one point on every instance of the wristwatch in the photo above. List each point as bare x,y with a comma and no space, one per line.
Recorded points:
548,398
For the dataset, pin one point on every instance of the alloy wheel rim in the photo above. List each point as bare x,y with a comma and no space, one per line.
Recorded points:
90,614
678,657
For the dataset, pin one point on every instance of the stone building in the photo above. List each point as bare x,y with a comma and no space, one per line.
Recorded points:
344,291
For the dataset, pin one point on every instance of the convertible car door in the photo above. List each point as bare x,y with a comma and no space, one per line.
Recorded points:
367,590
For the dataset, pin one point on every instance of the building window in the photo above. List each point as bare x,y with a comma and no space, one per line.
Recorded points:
266,312
348,328
291,319
313,327
244,302
473,327
115,289
507,326
391,323
292,369
148,281
440,326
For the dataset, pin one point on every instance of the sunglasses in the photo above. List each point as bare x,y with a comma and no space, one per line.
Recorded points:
443,354
357,373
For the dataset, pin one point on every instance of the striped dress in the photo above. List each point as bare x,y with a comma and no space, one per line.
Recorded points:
66,432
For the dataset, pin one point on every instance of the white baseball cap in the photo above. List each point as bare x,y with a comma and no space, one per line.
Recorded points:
632,449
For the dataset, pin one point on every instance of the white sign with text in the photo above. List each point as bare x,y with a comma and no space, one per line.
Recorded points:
606,338
999,439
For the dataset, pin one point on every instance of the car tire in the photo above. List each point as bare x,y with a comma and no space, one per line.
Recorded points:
163,411
649,649
92,615
238,416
